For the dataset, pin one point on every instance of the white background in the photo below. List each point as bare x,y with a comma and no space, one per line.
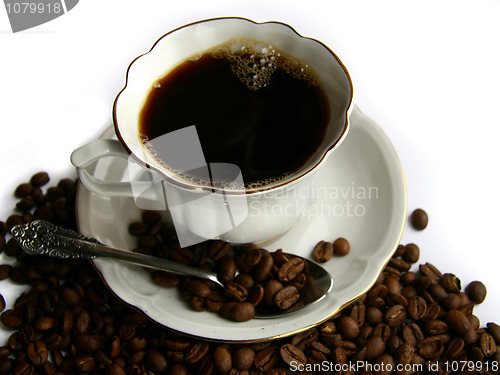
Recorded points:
426,71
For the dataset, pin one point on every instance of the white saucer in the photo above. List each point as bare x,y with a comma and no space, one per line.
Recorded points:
361,196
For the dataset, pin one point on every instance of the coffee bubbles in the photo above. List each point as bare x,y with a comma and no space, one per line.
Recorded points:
254,63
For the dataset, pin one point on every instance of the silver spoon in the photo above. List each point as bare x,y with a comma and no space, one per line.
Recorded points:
44,238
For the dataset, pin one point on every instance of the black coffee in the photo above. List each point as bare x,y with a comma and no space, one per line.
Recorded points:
264,112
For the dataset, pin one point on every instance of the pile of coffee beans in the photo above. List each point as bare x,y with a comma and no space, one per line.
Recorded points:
68,322
254,278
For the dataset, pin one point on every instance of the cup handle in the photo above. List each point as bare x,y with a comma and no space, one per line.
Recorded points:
82,158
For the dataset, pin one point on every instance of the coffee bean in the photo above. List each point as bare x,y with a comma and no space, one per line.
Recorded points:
244,279
67,185
266,359
243,358
291,354
115,369
404,354
399,264
374,315
411,253
494,330
289,270
23,190
395,315
375,346
457,321
430,270
341,246
451,283
476,354
4,353
451,302
471,336
2,243
85,363
385,363
138,228
81,322
348,327
393,286
235,292
437,292
242,311
37,352
6,365
155,361
271,288
222,359
178,343
2,303
256,294
12,221
180,255
53,194
430,348
467,309
419,219
165,279
286,297
263,269
136,344
196,352
412,334
45,323
87,343
318,352
225,310
248,260
476,291
214,301
147,242
400,250
280,257
39,179
435,327
151,217
12,318
200,289
487,344
218,249
25,204
392,272
226,269
24,368
455,348
358,313
322,252
304,339
70,296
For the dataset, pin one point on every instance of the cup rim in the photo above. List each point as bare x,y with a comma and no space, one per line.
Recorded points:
253,191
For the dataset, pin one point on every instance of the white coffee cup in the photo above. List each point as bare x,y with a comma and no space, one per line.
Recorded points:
236,214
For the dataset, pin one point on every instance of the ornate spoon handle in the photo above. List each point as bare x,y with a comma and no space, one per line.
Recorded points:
44,238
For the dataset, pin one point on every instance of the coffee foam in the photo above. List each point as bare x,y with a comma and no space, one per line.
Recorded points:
253,62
